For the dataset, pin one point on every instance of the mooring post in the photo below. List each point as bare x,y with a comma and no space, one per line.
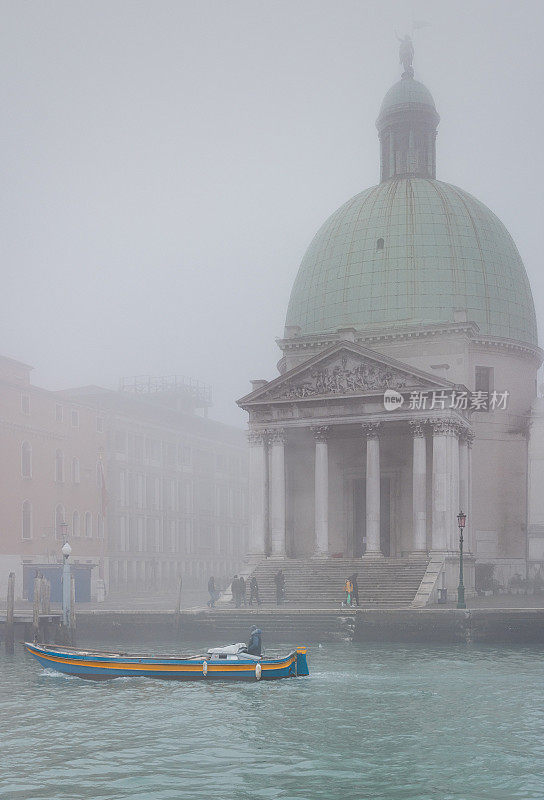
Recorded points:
10,614
36,609
46,596
72,610
178,605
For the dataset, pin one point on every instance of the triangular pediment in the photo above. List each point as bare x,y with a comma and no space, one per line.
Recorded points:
344,370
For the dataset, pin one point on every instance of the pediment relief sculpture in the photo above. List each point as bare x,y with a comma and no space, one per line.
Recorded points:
349,375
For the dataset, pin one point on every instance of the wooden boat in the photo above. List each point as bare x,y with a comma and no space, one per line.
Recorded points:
223,663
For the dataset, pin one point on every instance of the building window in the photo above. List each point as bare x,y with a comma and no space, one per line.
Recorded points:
59,466
26,460
88,524
76,471
483,383
100,424
123,494
61,531
25,404
27,520
75,418
121,442
75,524
184,455
379,244
59,412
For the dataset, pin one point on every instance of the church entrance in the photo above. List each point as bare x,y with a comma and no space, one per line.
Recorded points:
358,537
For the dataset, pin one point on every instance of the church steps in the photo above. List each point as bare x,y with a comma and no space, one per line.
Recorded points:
387,583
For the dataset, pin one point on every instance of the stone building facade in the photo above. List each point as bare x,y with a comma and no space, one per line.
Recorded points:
177,486
407,375
49,477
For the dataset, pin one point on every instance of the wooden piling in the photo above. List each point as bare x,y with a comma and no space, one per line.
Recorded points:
177,623
72,610
10,614
36,610
46,609
178,604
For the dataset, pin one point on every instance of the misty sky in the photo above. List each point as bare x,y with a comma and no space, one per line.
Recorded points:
166,164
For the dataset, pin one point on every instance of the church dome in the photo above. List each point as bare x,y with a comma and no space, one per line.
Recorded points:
412,250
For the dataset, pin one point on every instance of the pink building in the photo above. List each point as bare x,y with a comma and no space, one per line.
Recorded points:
50,481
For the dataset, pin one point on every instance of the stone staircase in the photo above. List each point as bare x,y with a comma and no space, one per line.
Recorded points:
384,583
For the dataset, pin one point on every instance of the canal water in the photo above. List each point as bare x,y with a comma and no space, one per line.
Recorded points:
393,722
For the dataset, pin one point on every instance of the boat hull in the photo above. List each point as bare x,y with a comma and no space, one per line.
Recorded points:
106,666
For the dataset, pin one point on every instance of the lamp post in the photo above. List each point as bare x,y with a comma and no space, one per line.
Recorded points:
461,522
66,551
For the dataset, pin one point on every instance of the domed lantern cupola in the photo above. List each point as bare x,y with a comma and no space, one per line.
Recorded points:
407,125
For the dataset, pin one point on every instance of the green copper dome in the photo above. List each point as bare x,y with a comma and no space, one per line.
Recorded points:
413,250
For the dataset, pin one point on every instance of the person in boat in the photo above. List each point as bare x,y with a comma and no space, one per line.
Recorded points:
212,591
355,589
279,580
348,588
255,643
254,591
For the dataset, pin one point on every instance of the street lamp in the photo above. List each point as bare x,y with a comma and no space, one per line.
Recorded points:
66,551
461,522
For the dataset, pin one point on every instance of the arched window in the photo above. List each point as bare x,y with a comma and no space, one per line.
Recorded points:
60,526
76,475
26,460
27,520
379,244
75,524
59,466
88,524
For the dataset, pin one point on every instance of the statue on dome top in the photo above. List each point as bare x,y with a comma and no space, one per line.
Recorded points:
406,54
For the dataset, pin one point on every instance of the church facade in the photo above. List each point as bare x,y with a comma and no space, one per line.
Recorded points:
408,370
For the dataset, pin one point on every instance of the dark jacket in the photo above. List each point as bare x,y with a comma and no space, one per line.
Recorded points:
255,644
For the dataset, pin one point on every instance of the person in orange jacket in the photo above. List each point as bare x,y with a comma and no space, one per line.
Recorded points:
348,588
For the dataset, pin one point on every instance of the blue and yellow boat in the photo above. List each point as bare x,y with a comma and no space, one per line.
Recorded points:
224,663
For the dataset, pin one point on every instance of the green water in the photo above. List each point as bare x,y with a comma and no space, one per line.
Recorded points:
391,722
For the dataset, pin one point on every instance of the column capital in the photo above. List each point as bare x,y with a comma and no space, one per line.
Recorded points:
467,437
417,426
372,430
320,432
276,435
256,438
445,427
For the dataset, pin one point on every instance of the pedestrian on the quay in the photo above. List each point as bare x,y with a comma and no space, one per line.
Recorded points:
279,580
254,591
348,588
235,588
355,589
212,591
242,588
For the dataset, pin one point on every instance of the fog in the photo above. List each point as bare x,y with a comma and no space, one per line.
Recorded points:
166,164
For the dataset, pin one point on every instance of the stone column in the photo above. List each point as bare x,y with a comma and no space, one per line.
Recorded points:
419,487
321,491
277,492
445,484
371,432
258,502
466,439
